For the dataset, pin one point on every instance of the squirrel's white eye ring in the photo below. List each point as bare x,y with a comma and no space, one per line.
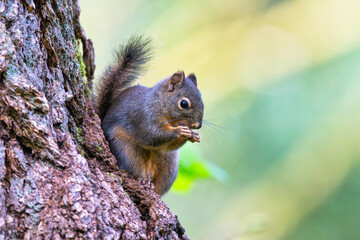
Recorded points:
184,103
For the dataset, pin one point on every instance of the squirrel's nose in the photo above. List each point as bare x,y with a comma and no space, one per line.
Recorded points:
196,125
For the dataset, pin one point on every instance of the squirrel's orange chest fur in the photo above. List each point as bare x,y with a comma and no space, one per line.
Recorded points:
148,162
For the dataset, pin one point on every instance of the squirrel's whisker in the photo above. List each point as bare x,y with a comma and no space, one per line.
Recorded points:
218,129
212,133
210,123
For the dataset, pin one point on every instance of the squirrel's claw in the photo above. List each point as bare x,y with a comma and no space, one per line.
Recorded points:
195,136
145,181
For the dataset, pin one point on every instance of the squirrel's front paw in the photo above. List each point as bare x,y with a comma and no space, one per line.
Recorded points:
184,131
195,136
187,133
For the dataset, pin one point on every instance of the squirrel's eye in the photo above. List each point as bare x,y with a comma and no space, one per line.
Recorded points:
184,103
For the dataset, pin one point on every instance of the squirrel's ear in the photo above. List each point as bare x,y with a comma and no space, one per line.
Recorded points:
176,81
192,77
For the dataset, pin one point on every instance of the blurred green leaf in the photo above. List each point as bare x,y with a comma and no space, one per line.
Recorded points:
194,166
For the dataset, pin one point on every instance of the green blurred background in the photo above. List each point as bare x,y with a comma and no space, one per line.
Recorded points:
281,84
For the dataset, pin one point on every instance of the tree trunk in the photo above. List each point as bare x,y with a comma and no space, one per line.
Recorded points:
58,178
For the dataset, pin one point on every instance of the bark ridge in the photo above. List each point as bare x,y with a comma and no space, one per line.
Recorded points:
58,178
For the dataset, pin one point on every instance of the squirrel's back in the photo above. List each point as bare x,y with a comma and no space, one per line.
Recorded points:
129,64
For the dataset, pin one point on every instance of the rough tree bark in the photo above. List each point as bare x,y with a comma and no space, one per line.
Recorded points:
57,177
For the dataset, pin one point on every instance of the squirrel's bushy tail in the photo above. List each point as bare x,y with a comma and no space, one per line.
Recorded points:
130,60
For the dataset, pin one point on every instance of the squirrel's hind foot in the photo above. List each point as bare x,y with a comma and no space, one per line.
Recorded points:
147,182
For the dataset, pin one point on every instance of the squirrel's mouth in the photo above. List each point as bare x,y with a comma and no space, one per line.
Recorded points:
196,125
180,122
185,122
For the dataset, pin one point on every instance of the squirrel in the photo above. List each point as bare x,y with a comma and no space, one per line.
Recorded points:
145,126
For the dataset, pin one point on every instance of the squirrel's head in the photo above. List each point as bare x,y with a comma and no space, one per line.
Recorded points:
183,103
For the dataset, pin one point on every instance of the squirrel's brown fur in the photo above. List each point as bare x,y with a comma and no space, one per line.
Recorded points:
128,66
